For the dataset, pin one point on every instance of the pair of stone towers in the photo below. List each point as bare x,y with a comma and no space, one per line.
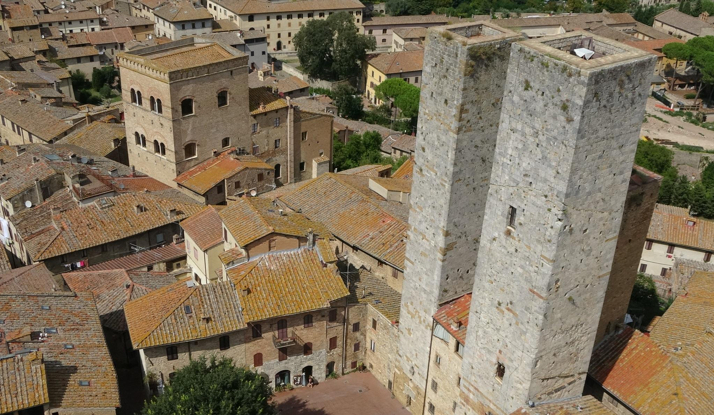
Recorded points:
524,154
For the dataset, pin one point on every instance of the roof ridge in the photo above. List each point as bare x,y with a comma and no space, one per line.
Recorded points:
167,315
368,199
245,274
260,215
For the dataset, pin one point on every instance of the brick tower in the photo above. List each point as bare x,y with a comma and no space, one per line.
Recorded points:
566,142
464,76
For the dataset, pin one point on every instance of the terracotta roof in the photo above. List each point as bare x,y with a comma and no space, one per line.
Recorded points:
612,33
410,32
569,22
653,46
405,142
325,251
650,31
183,312
123,20
97,137
214,171
46,92
22,381
106,220
77,39
63,17
669,225
368,170
118,35
138,184
285,283
23,77
75,318
405,171
682,21
352,216
454,317
113,288
35,278
266,6
398,62
261,100
584,405
183,11
142,259
368,289
430,19
205,228
392,184
251,218
76,52
186,56
21,22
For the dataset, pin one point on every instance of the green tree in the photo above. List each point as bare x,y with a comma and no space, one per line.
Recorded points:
686,8
654,157
698,199
681,192
333,48
574,6
678,52
697,9
214,387
666,189
349,102
709,206
105,91
405,96
359,151
398,7
612,6
708,177
79,80
644,300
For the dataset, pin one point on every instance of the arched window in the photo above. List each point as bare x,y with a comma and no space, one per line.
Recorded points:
143,140
138,98
156,147
186,107
223,98
277,171
159,107
282,329
133,96
307,349
137,139
162,149
307,320
258,359
257,331
152,102
189,150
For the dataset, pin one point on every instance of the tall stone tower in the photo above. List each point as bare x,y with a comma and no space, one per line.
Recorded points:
566,142
464,76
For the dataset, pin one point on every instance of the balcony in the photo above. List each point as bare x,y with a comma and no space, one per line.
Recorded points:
291,340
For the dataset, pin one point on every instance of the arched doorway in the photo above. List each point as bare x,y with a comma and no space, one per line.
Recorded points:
282,378
330,368
306,373
279,45
278,171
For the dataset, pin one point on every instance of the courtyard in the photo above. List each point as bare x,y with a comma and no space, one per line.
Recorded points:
353,394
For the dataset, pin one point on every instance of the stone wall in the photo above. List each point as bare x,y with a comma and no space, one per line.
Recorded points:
639,206
381,361
551,223
442,389
460,107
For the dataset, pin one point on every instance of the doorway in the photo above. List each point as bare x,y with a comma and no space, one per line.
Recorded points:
279,45
330,368
306,373
282,378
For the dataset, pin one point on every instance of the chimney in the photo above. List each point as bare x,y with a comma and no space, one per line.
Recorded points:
704,16
35,160
310,238
215,152
114,172
133,171
20,150
177,239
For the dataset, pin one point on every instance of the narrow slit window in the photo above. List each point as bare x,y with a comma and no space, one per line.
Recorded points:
512,217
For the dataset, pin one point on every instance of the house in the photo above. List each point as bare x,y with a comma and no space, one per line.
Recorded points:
290,86
168,258
57,341
280,21
25,121
226,175
141,27
252,42
70,22
404,35
182,19
203,233
404,145
383,27
248,319
681,25
655,47
405,65
110,42
106,138
674,234
81,58
31,279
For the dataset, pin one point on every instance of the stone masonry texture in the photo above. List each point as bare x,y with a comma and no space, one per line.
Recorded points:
464,75
566,143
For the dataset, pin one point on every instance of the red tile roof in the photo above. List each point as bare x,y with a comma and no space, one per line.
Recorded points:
454,317
205,228
142,259
669,225
22,382
213,171
118,35
34,278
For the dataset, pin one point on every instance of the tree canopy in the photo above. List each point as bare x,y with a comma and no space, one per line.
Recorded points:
213,387
348,102
332,49
361,150
405,96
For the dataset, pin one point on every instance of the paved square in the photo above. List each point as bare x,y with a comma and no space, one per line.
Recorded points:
353,394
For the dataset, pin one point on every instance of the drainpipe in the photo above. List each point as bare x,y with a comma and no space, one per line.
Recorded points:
291,141
344,338
428,365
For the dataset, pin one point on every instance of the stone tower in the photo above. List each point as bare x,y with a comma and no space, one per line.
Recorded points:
464,76
566,142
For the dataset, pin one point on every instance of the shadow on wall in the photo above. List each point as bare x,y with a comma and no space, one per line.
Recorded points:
297,406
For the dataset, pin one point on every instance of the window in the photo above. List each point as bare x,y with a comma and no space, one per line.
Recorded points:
282,329
224,342
431,408
307,321
374,324
372,345
290,34
299,15
156,147
333,343
279,17
258,359
356,347
459,349
353,365
276,122
277,143
282,354
648,245
159,238
159,108
395,273
307,349
187,107
302,166
663,272
416,79
133,96
384,40
370,32
138,98
437,360
511,220
257,331
223,98
171,353
384,31
143,140
643,268
500,371
409,400
707,256
152,103
237,185
434,385
189,150
309,15
670,249
260,177
219,189
254,127
333,315
137,139
441,333
272,244
321,15
277,171
162,149
304,136
225,142
251,18
290,16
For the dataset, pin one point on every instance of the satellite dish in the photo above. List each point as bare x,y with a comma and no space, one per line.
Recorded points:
253,193
28,204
